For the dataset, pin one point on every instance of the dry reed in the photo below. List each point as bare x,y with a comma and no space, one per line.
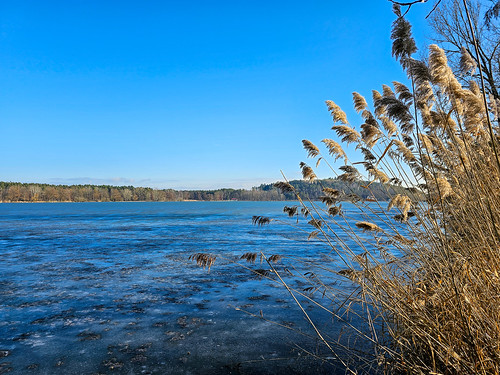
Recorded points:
429,275
426,279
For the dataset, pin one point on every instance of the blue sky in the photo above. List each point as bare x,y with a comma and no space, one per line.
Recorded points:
184,95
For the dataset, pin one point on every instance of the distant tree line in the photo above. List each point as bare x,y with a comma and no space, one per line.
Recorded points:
314,190
32,192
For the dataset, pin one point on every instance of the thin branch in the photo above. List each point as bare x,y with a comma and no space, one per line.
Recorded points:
408,4
433,9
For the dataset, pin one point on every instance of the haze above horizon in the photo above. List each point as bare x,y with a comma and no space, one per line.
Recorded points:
182,95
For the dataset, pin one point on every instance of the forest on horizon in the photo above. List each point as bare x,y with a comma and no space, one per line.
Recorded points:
34,192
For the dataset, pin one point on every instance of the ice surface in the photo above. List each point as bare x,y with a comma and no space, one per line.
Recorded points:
97,288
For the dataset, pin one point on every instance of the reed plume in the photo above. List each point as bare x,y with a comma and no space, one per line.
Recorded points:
366,226
337,114
312,150
249,257
467,63
360,103
334,149
261,220
203,259
348,134
285,187
307,172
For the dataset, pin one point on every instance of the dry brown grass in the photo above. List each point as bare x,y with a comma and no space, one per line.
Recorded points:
426,278
430,274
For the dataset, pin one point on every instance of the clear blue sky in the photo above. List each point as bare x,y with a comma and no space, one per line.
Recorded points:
182,94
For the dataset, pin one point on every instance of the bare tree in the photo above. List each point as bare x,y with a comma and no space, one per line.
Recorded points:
493,12
450,25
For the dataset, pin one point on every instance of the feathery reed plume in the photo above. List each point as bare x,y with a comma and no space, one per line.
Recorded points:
441,73
425,142
400,218
474,88
370,134
262,272
260,220
350,174
467,63
329,201
285,187
337,114
348,134
380,110
332,193
404,93
315,223
403,44
407,139
376,96
389,125
334,149
249,257
307,172
305,212
367,226
440,187
377,174
274,258
203,259
387,92
291,211
399,112
438,64
402,202
419,71
335,210
353,198
312,150
360,103
368,155
395,181
404,151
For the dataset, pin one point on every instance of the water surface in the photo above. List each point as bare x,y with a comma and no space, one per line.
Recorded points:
105,288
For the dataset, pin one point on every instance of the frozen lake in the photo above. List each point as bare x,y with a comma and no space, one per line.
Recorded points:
107,288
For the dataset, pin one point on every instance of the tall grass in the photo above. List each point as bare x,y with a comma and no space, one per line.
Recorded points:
424,268
426,264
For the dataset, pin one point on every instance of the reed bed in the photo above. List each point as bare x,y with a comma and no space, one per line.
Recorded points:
424,268
428,273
